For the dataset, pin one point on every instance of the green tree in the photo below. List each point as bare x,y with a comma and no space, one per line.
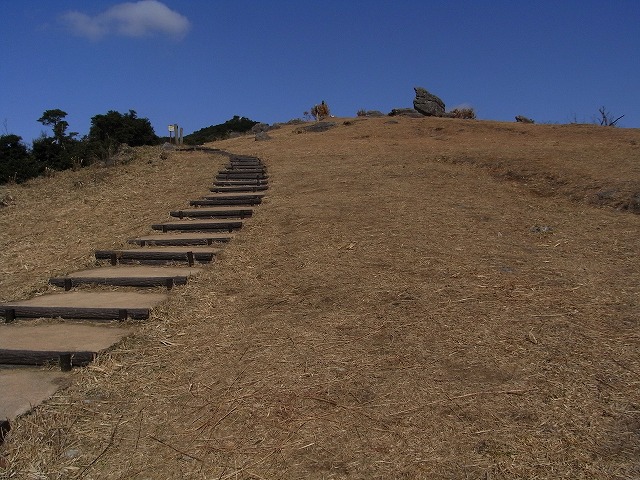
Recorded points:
55,119
114,128
16,164
55,152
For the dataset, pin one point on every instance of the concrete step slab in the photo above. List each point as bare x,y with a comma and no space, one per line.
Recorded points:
188,254
84,305
24,388
28,344
127,276
183,239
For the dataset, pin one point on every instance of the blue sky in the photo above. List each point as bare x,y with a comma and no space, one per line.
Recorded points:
199,62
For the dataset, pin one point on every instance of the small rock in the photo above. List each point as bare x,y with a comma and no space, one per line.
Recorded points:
405,112
72,453
370,113
7,200
260,127
261,136
541,229
522,119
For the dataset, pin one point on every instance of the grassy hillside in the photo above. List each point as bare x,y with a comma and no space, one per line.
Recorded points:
416,298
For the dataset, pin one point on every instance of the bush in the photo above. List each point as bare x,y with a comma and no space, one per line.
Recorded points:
465,113
321,111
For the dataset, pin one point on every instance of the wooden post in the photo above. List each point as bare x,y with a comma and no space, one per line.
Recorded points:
65,362
180,135
4,429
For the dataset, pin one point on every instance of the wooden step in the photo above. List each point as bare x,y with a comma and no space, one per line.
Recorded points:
222,182
257,168
84,305
156,255
241,201
235,175
127,276
239,188
183,239
246,160
199,225
235,195
216,212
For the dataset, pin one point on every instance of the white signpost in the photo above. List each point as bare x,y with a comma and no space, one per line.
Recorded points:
177,134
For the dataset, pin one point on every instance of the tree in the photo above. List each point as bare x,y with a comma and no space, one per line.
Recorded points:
16,164
114,128
109,131
55,152
55,119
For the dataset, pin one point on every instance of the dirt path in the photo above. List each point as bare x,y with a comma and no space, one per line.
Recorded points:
390,313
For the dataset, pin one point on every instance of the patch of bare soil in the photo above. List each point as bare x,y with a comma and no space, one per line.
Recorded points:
426,298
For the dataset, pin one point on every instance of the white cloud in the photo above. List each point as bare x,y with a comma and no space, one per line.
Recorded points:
129,19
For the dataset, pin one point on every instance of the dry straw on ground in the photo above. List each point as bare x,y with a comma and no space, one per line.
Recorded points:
421,298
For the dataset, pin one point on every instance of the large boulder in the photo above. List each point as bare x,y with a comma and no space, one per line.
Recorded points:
428,104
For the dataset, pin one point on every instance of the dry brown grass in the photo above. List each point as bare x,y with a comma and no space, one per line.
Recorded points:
428,298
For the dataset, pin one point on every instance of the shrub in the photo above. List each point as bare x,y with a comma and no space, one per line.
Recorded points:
466,113
606,118
321,111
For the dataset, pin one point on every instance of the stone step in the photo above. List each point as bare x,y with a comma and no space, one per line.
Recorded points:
199,225
127,276
183,239
216,212
84,305
155,255
22,344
